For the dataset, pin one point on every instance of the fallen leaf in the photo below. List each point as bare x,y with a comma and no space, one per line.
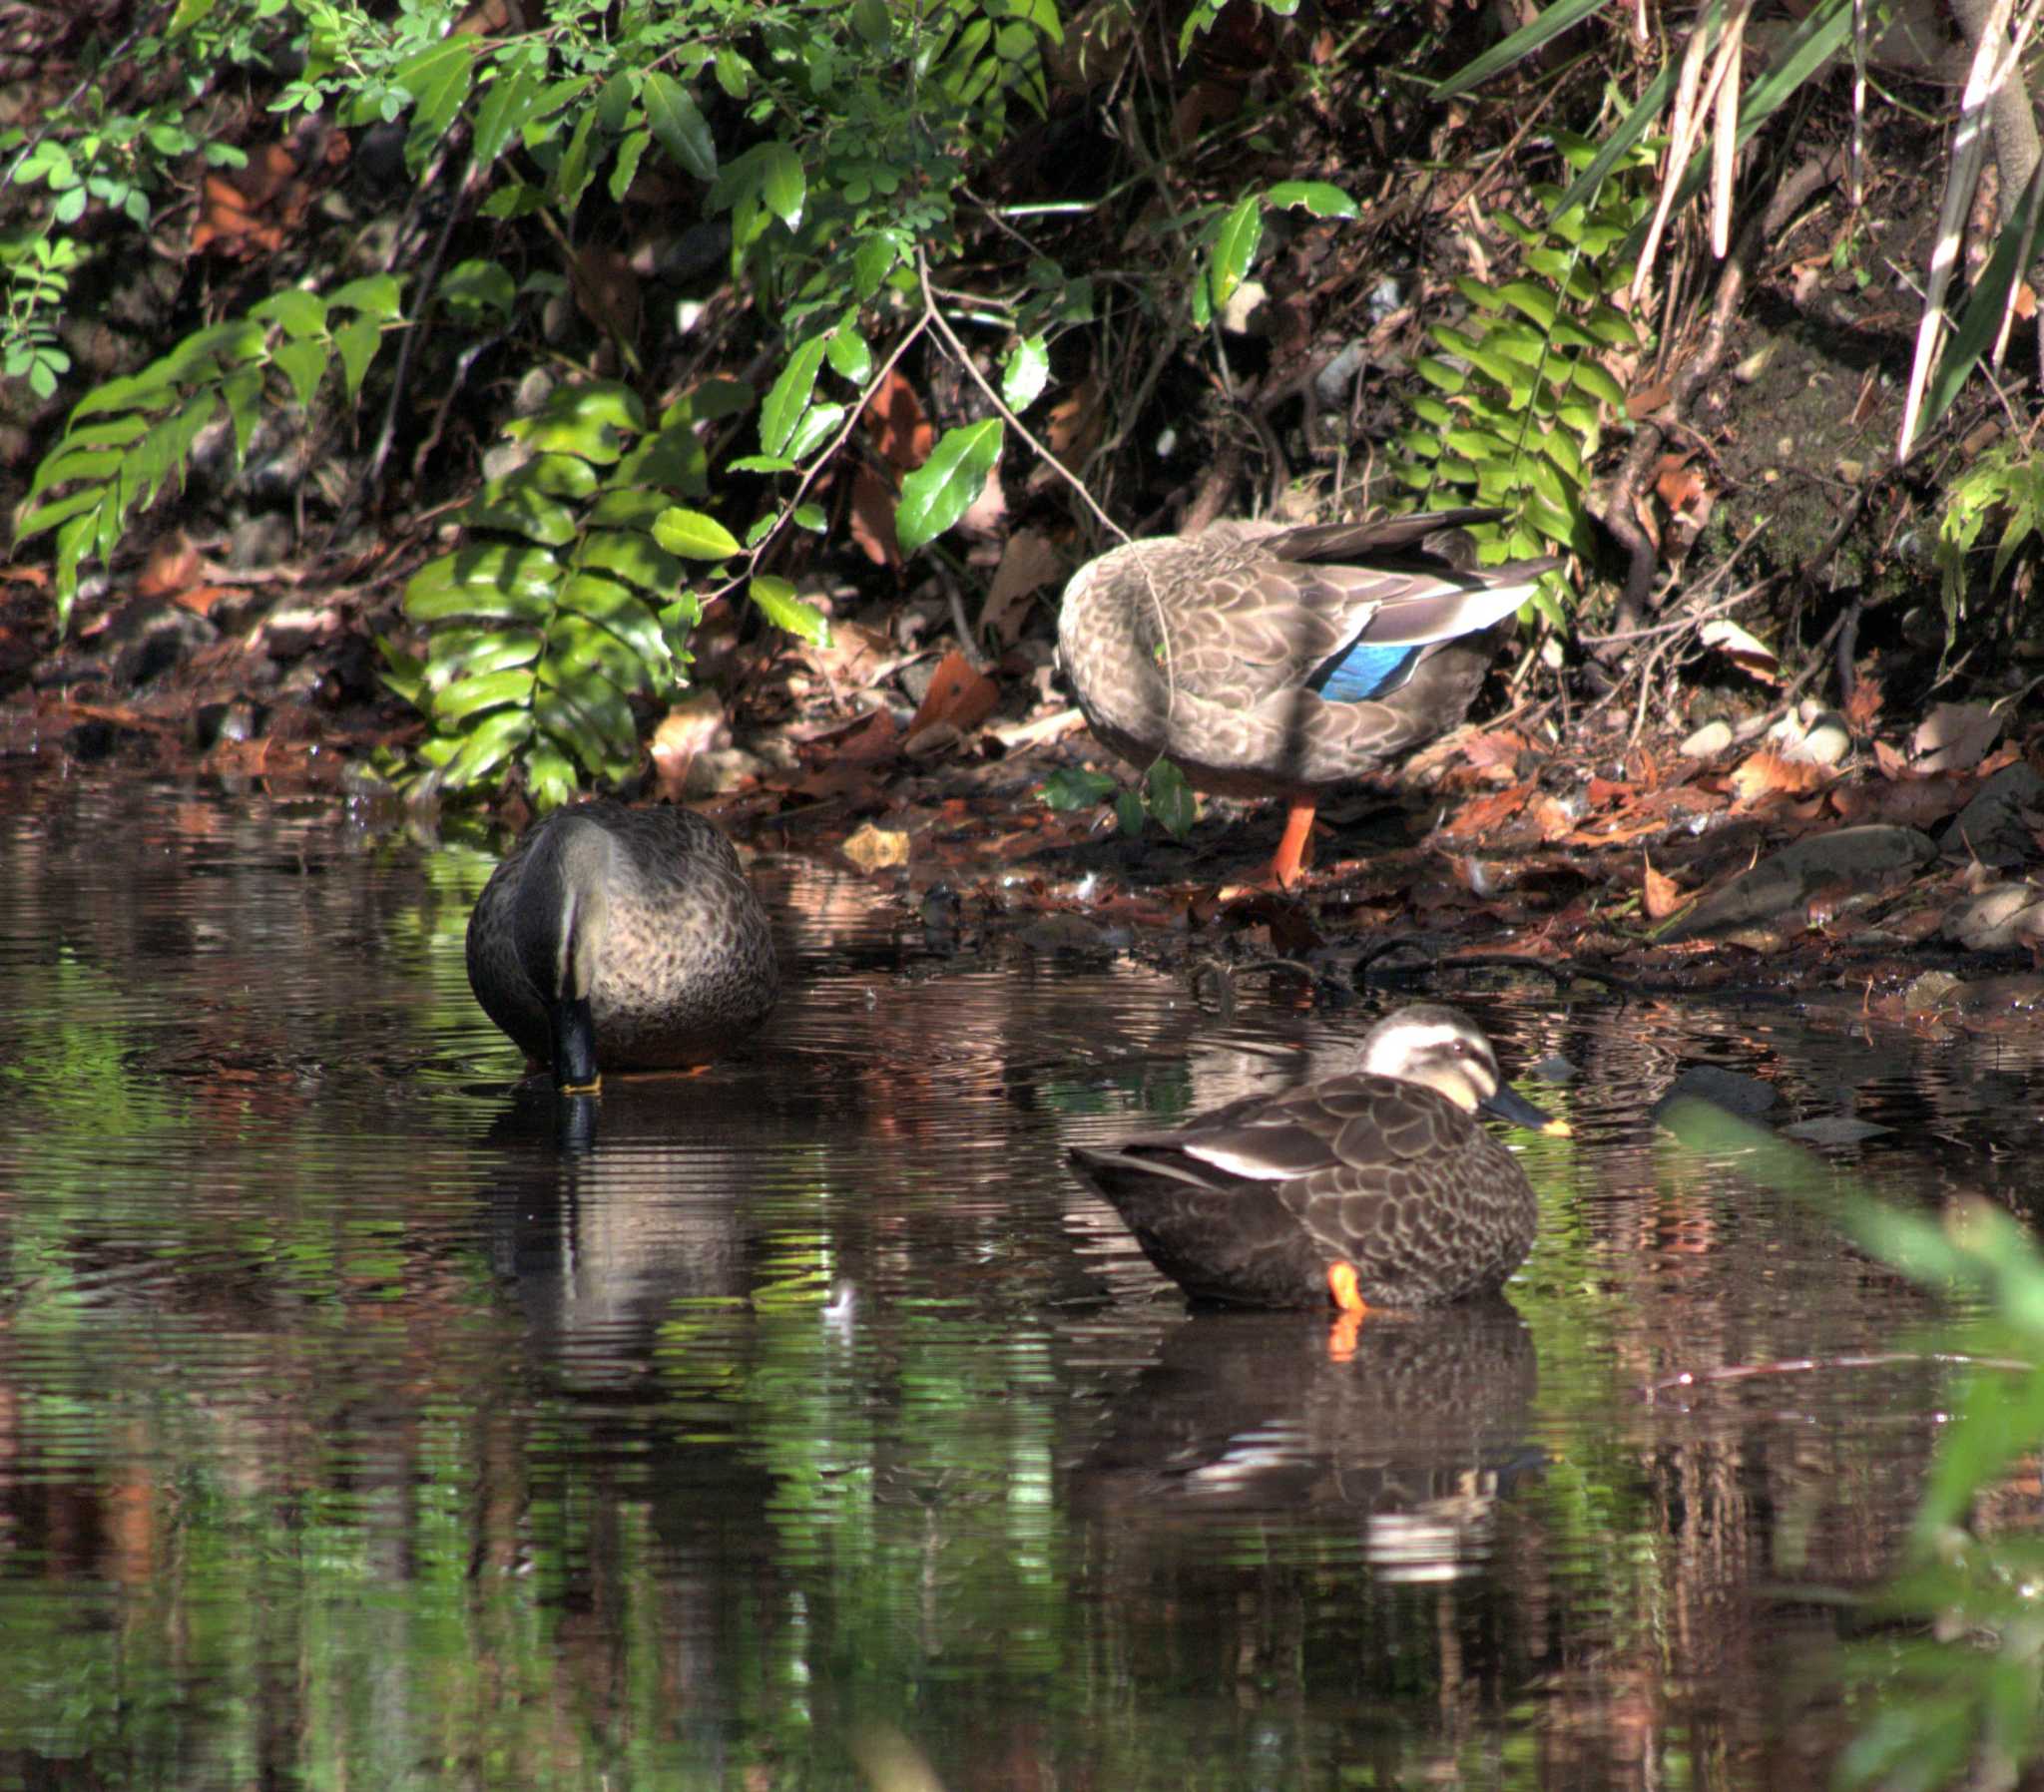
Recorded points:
1768,773
1863,705
957,694
171,565
1954,738
1481,814
1292,929
1659,892
1750,655
1028,563
895,421
875,848
872,517
690,726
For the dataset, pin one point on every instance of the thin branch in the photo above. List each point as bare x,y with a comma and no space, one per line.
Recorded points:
935,319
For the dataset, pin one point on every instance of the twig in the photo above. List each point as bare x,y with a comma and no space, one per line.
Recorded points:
1805,1365
936,319
822,460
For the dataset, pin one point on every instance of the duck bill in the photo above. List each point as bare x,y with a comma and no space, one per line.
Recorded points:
574,1030
1509,1105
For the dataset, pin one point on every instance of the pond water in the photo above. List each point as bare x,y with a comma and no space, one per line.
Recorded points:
369,1420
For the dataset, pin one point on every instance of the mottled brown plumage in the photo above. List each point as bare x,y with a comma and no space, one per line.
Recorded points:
1226,651
617,938
1384,1169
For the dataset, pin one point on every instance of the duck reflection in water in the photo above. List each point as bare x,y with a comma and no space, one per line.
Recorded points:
1419,1432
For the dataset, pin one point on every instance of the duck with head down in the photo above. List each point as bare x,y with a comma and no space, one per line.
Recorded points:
614,939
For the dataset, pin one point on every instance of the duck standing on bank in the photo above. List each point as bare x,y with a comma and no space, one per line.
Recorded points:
621,939
1377,1187
1268,660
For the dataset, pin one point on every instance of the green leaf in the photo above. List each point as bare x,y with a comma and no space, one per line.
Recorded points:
1535,301
818,422
477,285
679,123
1128,811
626,169
357,342
692,535
789,397
300,313
943,489
472,652
623,611
1320,197
873,260
1234,248
634,557
378,295
762,463
96,464
305,366
850,354
1071,787
1026,374
781,183
488,691
62,509
777,603
438,78
1587,376
503,114
518,507
1168,797
485,581
487,746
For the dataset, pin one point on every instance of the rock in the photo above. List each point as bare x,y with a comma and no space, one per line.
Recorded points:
1713,738
722,769
1933,991
2000,917
1991,827
152,635
1787,879
1746,1096
1834,1129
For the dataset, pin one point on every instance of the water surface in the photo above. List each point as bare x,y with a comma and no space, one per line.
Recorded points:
369,1419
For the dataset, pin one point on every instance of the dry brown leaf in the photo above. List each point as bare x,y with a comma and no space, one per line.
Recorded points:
872,517
1863,705
1954,738
873,848
1659,893
1904,802
1751,654
957,695
606,291
692,725
1483,814
1495,752
1028,563
1768,773
895,420
171,565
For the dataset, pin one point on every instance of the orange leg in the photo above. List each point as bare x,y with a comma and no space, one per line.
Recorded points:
1286,869
1341,1285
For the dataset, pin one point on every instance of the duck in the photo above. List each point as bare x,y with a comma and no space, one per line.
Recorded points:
1374,1187
615,938
1268,660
